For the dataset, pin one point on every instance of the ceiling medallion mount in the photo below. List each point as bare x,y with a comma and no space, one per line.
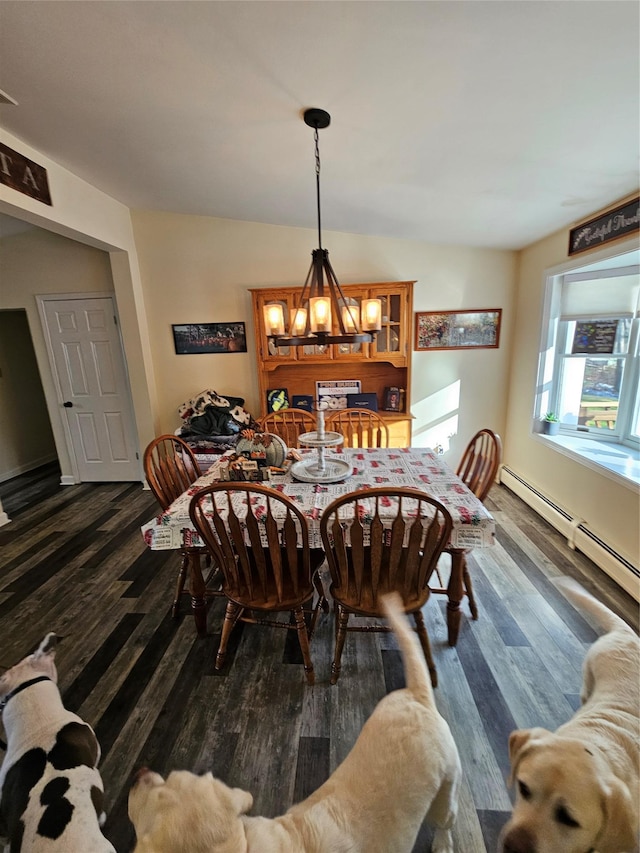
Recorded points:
315,117
323,315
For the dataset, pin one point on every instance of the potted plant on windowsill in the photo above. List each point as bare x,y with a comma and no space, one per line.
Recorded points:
550,424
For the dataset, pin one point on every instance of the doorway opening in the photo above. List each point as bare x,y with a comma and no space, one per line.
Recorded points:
27,447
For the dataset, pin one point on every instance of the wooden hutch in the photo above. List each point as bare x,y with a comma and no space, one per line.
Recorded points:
384,363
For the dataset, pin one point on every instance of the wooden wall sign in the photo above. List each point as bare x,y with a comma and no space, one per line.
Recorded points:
23,175
621,222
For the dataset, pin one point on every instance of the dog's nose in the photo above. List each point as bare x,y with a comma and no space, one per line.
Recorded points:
139,774
519,840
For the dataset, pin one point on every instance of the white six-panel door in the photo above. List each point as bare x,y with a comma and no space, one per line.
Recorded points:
88,358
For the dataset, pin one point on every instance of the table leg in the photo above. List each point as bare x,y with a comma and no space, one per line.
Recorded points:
455,592
198,589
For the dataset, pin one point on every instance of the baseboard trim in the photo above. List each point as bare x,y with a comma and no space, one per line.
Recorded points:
28,466
67,480
578,535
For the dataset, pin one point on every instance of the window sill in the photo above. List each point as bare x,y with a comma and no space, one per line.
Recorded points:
615,461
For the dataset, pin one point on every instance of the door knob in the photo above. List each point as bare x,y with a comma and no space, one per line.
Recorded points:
68,404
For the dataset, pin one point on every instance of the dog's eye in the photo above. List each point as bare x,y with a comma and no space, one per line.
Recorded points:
563,816
525,792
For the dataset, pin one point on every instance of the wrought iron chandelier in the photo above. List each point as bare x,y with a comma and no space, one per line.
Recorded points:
323,308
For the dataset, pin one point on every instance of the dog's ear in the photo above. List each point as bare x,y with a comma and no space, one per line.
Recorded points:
242,800
47,646
619,831
518,742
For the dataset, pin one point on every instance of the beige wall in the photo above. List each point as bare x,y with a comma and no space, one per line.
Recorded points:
39,262
610,510
26,440
82,213
199,269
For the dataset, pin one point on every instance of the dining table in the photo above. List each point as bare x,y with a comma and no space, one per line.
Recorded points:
421,468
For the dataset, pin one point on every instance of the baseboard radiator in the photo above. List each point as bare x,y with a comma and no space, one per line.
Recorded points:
578,535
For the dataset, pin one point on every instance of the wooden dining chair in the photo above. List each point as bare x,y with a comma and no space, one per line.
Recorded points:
288,424
378,541
360,427
260,540
170,468
477,470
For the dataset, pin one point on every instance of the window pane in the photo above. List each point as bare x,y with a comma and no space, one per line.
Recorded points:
590,389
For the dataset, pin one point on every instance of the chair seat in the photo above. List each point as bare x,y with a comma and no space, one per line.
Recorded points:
272,603
370,606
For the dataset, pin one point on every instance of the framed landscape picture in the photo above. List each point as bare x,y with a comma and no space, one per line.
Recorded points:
479,329
191,338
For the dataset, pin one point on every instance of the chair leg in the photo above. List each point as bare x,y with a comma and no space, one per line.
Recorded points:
317,582
342,620
322,603
182,576
303,638
426,646
231,616
468,588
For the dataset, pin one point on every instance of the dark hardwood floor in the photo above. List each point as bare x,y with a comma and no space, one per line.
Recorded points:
73,561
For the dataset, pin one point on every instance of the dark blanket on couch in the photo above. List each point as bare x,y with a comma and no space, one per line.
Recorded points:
213,422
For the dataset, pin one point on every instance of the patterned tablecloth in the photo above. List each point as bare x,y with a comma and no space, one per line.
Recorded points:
473,525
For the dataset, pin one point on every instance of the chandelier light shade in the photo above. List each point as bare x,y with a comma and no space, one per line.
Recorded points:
323,306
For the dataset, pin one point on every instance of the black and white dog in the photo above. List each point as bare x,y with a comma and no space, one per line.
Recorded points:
50,789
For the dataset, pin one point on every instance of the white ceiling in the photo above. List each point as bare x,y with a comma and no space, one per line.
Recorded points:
478,123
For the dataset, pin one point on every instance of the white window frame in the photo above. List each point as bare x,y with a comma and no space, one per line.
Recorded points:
627,398
625,255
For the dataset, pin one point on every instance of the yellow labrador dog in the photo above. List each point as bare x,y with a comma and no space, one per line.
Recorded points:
403,767
578,790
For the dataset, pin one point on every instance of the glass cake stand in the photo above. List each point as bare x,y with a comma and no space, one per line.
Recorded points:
321,470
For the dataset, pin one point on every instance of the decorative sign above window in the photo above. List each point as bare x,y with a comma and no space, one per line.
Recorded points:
23,175
621,222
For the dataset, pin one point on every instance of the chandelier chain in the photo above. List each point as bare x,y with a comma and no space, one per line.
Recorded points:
317,147
316,138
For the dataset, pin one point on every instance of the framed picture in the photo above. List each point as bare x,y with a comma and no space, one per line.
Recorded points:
363,401
277,399
477,329
393,399
333,395
302,401
190,338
